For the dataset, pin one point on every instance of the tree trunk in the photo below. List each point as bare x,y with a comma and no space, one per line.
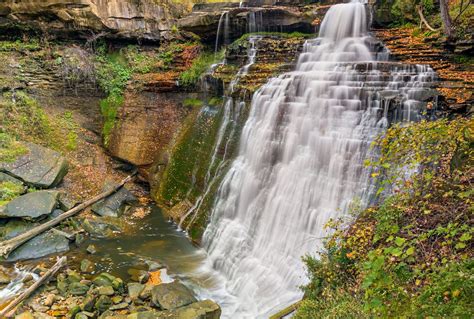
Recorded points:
447,22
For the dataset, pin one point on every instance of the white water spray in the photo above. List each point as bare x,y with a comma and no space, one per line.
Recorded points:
300,163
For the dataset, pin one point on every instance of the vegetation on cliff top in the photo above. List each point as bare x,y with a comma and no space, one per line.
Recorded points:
411,255
451,18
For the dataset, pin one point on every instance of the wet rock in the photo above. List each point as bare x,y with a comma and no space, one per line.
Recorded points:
100,228
49,300
134,290
146,293
5,276
74,311
118,285
88,303
78,289
104,279
40,167
91,249
103,303
144,315
42,245
120,306
87,266
205,309
25,315
89,314
73,276
138,275
116,204
172,295
15,227
117,299
62,283
106,291
31,206
153,265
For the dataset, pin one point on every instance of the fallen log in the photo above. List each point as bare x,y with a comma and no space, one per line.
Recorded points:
7,246
422,18
5,313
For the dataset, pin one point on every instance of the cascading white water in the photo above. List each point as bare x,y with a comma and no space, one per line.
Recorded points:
224,26
300,163
232,111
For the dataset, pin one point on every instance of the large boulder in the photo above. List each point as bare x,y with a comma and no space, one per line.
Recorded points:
42,245
31,205
205,309
47,243
172,295
115,204
40,167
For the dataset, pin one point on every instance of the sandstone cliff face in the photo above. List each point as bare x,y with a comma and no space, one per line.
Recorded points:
140,19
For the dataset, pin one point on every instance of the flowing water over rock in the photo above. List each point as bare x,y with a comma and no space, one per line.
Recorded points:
300,161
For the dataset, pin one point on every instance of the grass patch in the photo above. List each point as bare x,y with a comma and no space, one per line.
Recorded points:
10,149
200,66
9,190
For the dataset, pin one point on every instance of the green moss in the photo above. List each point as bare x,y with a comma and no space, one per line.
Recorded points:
31,45
190,159
23,119
244,38
190,102
109,108
200,65
10,149
9,190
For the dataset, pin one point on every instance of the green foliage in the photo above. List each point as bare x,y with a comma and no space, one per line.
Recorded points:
18,45
109,107
410,256
23,119
10,149
113,73
200,65
190,102
9,190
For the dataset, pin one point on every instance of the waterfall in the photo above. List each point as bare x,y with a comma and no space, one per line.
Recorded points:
224,26
300,161
231,113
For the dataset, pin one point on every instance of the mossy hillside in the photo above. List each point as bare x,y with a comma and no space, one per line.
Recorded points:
23,119
411,256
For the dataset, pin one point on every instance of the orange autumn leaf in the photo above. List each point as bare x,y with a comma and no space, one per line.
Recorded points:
155,278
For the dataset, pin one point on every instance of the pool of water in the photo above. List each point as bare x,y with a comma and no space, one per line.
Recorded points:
150,238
